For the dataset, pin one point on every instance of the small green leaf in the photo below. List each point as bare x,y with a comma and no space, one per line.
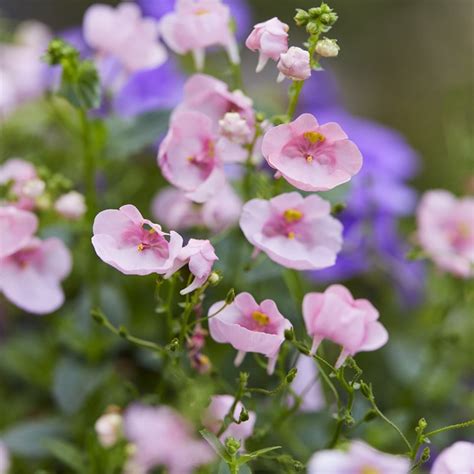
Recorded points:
215,444
255,454
68,454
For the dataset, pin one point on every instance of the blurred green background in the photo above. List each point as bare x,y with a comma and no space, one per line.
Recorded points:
407,63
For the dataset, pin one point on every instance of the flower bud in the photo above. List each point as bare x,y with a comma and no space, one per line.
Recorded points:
294,64
229,299
235,128
301,17
244,415
327,48
232,446
109,428
289,334
71,205
290,376
315,12
312,28
33,188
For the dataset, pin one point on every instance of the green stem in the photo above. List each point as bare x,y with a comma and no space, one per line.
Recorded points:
464,424
294,95
169,310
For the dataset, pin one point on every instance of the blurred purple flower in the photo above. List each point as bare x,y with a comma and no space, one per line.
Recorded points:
239,9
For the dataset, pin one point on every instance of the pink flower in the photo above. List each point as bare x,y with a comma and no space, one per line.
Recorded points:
206,94
122,34
457,459
235,128
191,157
134,245
171,207
4,459
16,229
446,231
270,38
71,205
197,24
294,64
109,428
359,458
310,156
217,410
163,438
30,278
199,255
20,174
249,327
337,316
293,231
307,386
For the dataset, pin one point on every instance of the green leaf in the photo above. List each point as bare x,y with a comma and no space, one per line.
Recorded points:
68,454
255,454
215,444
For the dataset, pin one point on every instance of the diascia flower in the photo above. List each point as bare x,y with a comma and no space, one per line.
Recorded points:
163,438
446,231
121,34
16,229
294,64
199,255
270,39
360,458
197,24
337,316
294,231
216,412
31,277
249,327
310,156
134,245
457,459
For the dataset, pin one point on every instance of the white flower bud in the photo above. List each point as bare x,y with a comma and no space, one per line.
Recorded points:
109,429
71,205
235,128
327,48
33,188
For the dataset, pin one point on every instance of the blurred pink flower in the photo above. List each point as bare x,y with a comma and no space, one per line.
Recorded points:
307,385
457,459
71,205
24,76
16,229
4,459
21,174
446,231
30,278
337,316
294,64
293,231
216,412
249,327
108,428
200,256
235,128
197,24
122,34
310,156
359,458
163,438
134,245
270,38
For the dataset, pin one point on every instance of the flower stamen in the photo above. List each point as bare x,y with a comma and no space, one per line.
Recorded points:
292,215
260,318
314,137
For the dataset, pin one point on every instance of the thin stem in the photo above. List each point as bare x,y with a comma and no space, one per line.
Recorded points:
294,95
169,301
464,424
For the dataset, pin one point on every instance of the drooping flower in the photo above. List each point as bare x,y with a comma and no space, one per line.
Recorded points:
310,156
23,178
456,459
71,205
31,277
16,229
446,231
24,75
307,385
216,412
294,64
337,316
249,327
108,428
270,39
200,256
195,25
171,207
122,38
4,459
360,458
163,438
293,231
134,245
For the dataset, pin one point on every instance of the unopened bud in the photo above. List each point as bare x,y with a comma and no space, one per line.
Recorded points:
289,334
244,415
315,12
109,428
425,455
229,299
290,376
33,188
71,205
312,28
232,446
366,390
214,278
327,48
301,17
370,415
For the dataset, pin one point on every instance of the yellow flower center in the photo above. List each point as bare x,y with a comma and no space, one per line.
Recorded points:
201,11
260,318
369,470
292,215
309,158
291,235
314,137
140,247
